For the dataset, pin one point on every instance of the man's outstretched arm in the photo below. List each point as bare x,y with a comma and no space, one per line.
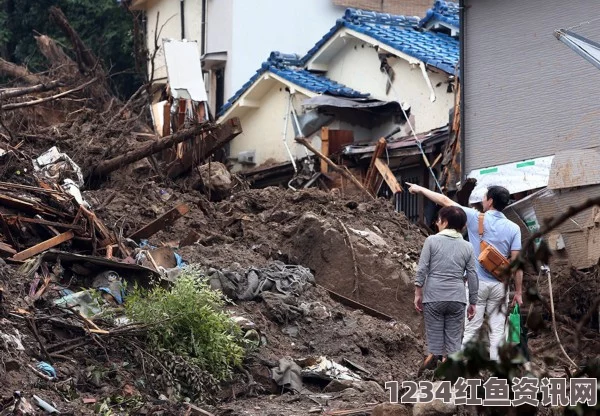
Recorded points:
438,198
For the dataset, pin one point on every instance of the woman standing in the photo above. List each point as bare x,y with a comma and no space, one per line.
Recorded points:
440,285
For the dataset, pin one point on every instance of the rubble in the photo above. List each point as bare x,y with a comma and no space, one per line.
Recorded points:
319,283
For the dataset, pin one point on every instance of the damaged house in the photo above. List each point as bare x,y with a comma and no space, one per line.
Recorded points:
530,119
372,76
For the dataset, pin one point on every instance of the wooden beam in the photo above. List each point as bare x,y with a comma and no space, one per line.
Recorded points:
357,305
7,249
343,171
371,175
161,222
107,166
436,160
48,244
166,128
388,176
324,147
18,218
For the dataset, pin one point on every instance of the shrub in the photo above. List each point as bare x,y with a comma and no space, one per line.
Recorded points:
188,319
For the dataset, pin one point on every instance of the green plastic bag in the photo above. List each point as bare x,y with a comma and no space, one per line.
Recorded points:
514,326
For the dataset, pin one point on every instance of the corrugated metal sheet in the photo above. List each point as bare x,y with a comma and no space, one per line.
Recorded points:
526,94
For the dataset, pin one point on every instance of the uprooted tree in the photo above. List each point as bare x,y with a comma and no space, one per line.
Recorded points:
72,105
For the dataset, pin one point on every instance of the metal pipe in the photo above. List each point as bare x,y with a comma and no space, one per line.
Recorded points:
203,31
461,79
182,14
427,81
285,129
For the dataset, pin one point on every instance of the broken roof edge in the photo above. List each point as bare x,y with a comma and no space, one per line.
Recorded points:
361,26
400,142
443,12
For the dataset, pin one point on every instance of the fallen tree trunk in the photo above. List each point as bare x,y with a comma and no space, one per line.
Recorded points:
20,72
7,93
14,106
85,59
225,132
55,55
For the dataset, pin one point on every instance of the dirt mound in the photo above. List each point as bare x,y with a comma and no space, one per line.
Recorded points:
364,251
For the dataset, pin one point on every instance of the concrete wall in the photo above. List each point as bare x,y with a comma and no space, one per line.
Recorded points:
263,129
219,36
357,66
169,27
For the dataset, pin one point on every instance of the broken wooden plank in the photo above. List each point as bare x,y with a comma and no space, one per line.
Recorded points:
18,218
8,185
43,246
357,305
161,222
324,147
388,176
19,204
343,171
7,249
379,149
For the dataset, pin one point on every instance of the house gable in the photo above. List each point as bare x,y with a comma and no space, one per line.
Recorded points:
287,69
358,65
397,35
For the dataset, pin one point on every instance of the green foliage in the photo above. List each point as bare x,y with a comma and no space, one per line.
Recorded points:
104,25
192,324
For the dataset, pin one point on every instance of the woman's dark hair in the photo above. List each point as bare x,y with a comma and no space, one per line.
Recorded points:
455,216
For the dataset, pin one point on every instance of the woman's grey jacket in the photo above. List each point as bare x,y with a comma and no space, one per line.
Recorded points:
441,272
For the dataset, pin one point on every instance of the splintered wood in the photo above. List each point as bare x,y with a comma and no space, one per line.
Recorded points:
35,219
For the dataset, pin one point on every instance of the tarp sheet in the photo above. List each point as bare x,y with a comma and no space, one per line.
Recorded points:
516,177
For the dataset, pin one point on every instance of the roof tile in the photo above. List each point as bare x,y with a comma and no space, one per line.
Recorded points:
444,12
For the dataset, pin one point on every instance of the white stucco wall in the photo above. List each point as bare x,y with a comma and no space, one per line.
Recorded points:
219,35
263,129
262,26
169,27
357,66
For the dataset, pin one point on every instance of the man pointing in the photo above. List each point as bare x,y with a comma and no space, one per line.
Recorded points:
505,236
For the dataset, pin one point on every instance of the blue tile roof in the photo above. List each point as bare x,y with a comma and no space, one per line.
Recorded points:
401,33
444,12
290,67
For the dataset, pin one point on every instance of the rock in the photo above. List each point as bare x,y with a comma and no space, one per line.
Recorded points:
390,409
216,177
434,408
337,385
